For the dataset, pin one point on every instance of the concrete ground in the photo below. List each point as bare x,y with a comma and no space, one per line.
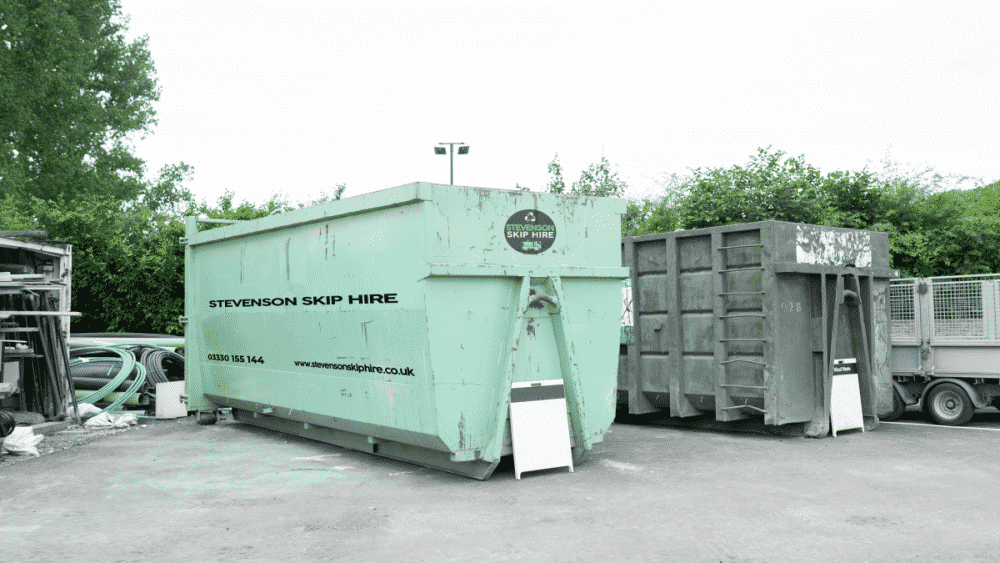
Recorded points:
176,491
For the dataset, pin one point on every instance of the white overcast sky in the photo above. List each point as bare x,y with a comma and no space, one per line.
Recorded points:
269,97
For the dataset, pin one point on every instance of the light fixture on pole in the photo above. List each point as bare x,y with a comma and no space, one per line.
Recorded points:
462,149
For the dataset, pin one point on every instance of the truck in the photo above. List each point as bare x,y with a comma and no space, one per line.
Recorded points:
945,345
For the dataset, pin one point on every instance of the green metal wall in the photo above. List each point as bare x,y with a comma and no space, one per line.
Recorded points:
449,327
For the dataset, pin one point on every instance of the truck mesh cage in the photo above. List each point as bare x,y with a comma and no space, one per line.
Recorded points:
902,307
963,307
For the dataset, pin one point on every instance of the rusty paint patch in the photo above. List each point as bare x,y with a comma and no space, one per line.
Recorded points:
461,431
833,248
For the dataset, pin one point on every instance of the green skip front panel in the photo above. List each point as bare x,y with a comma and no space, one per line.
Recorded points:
395,322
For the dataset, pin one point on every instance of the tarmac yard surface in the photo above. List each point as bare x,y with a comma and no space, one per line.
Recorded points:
177,491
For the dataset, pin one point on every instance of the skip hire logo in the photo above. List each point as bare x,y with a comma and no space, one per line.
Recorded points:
530,231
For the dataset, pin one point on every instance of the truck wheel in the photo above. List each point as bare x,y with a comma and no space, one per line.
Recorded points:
948,404
205,418
898,407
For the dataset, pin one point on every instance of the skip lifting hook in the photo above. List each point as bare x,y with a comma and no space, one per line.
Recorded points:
849,294
536,298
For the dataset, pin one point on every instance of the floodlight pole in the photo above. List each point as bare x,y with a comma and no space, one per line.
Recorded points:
451,156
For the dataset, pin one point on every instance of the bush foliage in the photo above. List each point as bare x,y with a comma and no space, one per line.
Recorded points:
932,231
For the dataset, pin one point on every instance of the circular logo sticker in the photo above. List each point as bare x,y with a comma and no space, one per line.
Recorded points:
530,231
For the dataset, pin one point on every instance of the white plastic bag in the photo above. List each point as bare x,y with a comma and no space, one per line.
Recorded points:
105,420
85,409
22,441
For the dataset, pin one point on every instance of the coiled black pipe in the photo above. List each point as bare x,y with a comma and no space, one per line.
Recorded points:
100,368
161,364
93,368
128,365
7,424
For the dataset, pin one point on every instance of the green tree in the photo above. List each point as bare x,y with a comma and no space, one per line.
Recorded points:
599,180
226,207
769,186
104,266
932,232
852,200
324,197
72,92
983,201
931,235
10,217
647,216
556,184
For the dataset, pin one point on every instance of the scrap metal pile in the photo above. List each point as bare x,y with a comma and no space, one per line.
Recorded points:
34,350
34,289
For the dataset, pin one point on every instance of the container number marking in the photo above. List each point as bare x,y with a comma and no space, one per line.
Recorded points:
237,359
791,306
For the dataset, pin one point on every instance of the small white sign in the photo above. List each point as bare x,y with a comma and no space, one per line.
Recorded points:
539,426
845,397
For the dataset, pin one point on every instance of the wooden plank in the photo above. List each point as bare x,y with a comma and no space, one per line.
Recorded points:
50,428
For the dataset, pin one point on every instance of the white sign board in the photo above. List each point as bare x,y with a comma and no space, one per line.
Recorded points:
845,397
539,426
